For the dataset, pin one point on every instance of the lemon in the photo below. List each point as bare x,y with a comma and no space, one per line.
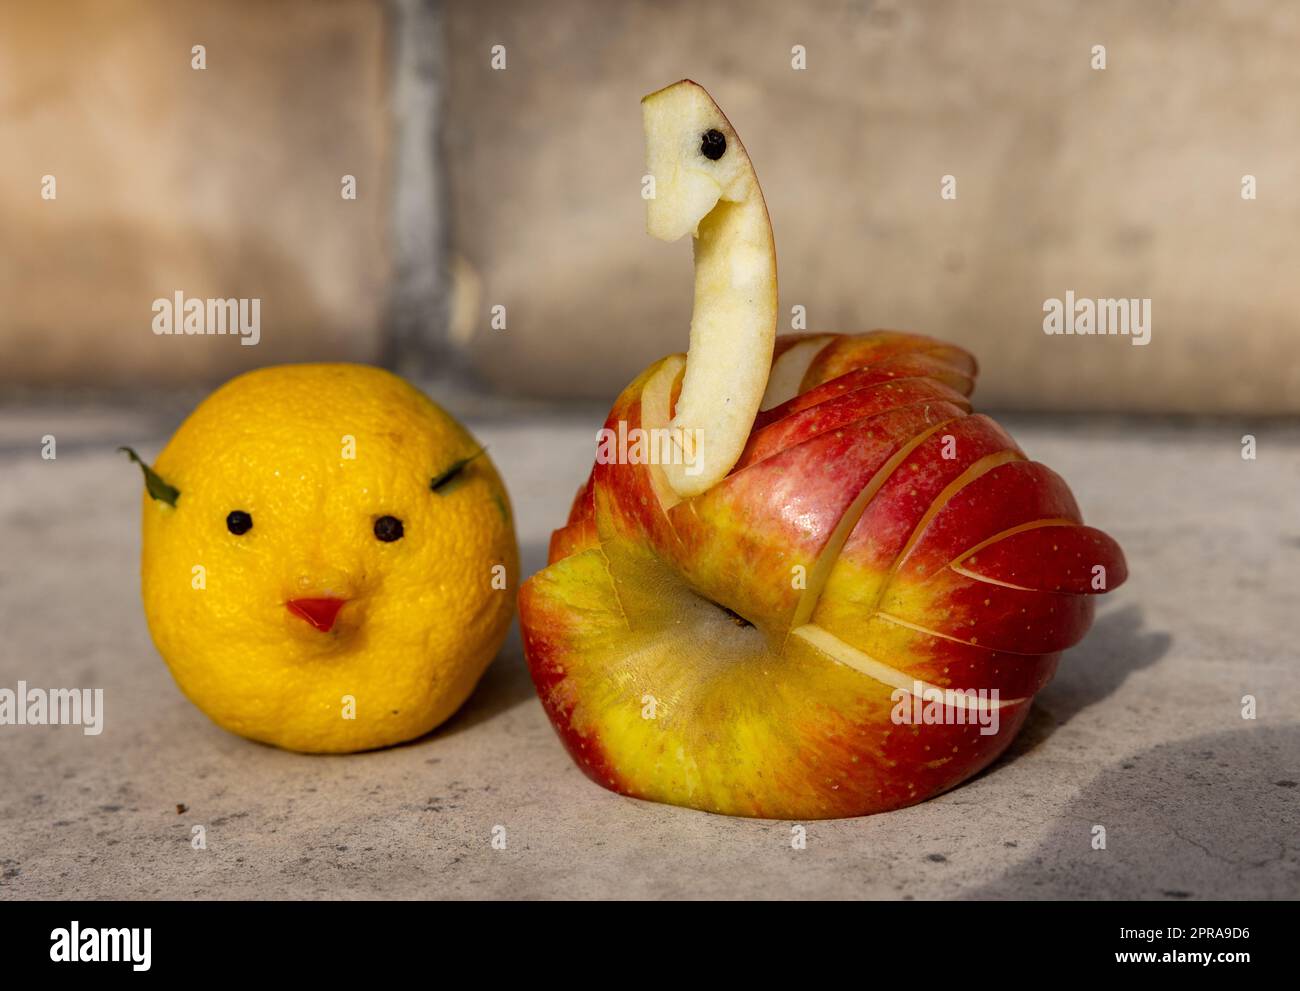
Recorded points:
329,562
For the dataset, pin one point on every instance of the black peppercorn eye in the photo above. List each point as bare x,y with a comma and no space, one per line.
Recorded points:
239,522
713,145
388,529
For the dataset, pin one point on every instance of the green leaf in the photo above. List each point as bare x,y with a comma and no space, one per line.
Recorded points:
153,482
454,469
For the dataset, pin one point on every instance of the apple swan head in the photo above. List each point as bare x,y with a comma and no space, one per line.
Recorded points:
704,184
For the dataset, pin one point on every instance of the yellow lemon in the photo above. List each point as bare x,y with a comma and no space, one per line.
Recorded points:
329,562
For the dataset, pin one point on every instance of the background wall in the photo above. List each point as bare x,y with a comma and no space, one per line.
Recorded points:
221,182
225,182
1122,182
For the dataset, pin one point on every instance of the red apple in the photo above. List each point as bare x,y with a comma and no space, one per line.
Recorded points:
856,613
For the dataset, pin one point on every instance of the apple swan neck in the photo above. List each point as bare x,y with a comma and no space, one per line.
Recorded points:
733,331
706,185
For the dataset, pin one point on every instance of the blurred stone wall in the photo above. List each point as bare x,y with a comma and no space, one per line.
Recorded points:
1123,182
221,182
225,182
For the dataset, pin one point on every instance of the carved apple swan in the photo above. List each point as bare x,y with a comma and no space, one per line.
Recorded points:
841,592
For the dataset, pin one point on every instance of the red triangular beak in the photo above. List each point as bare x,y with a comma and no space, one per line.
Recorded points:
320,613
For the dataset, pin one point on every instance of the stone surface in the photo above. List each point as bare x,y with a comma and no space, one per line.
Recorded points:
1141,731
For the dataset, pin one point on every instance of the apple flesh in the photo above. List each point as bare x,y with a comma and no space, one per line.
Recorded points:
705,185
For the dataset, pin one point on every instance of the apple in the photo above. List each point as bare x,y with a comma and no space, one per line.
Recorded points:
839,590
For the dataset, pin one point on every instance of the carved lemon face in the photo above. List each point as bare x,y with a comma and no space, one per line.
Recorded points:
338,565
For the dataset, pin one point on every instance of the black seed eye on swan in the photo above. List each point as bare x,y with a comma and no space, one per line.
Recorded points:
388,529
713,145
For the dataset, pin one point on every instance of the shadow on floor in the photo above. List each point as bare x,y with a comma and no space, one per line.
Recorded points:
506,683
1114,648
1217,816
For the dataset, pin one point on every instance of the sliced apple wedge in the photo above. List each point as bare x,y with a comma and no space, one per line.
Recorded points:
705,185
791,364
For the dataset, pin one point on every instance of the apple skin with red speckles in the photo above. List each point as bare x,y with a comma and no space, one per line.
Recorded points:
879,552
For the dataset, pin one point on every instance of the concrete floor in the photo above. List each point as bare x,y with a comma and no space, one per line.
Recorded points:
1141,731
